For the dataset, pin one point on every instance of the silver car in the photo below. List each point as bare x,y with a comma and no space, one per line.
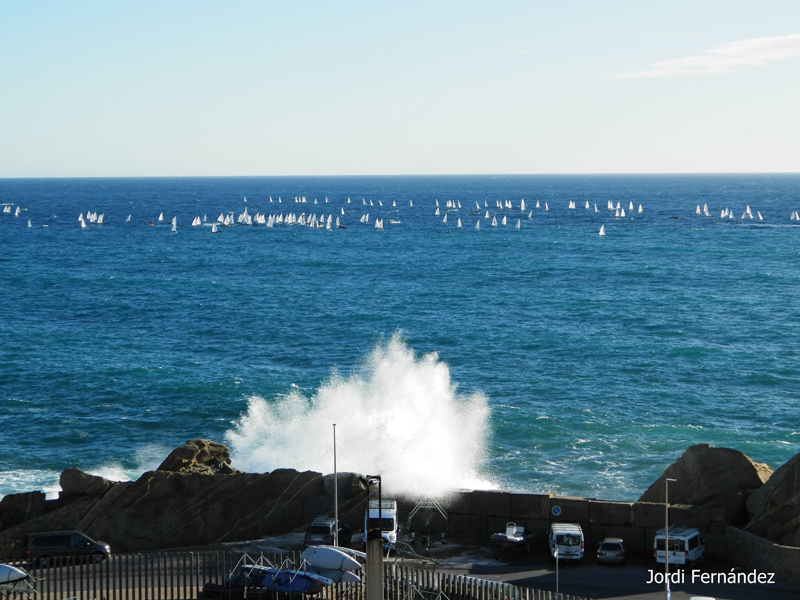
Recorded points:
612,550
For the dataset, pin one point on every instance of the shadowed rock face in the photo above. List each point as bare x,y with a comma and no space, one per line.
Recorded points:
194,498
775,507
712,478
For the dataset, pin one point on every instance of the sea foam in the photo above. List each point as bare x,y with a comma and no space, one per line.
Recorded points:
400,417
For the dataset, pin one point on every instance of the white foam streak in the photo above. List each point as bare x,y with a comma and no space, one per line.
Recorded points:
402,419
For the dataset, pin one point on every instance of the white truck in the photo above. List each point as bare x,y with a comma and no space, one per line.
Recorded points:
566,541
382,514
686,546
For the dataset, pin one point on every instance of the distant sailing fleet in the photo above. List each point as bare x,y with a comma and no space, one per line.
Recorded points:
321,221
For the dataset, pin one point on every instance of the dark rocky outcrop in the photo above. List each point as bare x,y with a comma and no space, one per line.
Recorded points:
199,456
75,482
194,498
18,508
775,507
712,478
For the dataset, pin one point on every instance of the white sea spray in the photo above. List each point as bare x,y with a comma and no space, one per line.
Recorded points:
401,417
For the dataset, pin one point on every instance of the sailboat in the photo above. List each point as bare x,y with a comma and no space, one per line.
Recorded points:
214,228
602,232
517,226
174,224
29,224
477,224
458,223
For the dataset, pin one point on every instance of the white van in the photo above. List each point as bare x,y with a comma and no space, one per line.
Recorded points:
567,539
386,510
686,546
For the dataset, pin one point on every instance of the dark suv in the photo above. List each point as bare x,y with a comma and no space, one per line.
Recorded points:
45,546
320,532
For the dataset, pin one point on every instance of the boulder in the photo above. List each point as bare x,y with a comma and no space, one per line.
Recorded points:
75,482
201,457
712,478
775,506
18,508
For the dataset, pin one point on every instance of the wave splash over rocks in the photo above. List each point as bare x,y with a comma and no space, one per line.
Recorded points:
400,417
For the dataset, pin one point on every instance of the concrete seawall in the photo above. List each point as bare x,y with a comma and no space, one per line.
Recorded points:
475,515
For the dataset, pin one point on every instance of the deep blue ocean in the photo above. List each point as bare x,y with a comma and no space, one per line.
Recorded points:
542,358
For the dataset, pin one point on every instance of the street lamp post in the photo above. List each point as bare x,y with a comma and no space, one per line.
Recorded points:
335,493
667,481
374,546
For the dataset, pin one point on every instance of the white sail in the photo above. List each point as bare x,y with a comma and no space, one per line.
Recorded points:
214,228
494,221
477,224
437,212
504,221
161,217
639,210
602,231
522,205
547,208
444,220
458,223
29,224
517,226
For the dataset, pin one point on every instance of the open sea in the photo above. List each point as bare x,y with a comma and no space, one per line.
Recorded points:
540,358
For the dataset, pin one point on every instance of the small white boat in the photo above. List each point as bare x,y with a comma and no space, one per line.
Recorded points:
330,557
602,232
13,579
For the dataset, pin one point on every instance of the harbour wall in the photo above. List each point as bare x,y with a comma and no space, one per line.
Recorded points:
475,515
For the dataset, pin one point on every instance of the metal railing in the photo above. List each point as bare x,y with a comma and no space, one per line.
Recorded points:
182,575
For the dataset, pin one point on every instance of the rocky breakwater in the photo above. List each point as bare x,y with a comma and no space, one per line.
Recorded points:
195,497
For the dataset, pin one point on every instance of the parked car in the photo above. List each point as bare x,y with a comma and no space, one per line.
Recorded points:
320,532
566,541
42,547
612,550
686,545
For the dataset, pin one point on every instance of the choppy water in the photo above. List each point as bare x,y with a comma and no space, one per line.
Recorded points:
542,359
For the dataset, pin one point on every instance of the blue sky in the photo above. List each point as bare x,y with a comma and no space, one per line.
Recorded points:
175,88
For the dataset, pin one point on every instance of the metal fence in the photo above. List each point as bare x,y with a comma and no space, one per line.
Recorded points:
181,576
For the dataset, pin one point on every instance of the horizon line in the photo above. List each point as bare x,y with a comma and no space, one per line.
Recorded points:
558,174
